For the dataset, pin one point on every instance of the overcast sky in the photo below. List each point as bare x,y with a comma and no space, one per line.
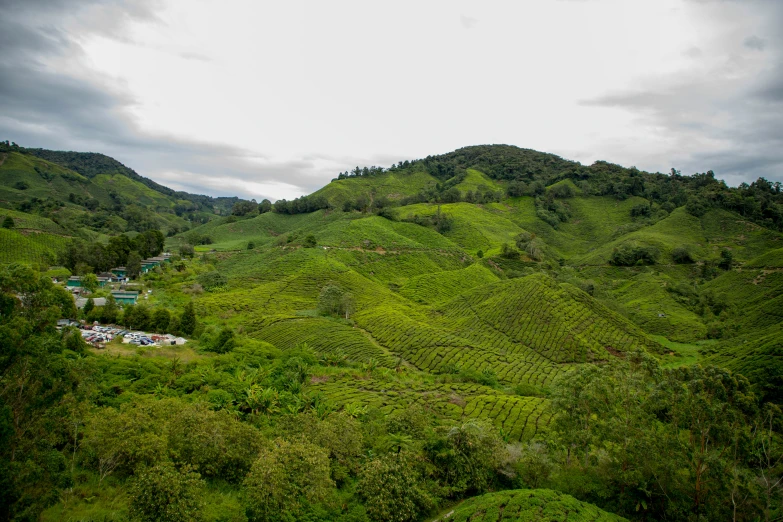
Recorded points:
273,99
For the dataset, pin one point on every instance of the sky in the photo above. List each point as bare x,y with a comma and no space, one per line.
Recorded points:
263,99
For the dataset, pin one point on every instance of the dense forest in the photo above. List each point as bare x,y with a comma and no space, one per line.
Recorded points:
489,334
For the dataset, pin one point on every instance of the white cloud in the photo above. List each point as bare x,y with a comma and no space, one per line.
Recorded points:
274,99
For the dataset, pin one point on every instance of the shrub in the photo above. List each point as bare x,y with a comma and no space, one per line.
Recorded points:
212,281
681,255
393,490
641,210
508,251
696,206
309,242
163,493
563,190
629,254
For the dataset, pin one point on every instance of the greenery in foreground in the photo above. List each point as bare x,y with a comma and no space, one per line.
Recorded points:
242,435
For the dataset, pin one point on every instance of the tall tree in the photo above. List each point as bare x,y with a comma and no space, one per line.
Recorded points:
187,322
133,265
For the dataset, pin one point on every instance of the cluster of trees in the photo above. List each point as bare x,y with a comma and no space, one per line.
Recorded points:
302,205
691,443
83,257
528,172
633,254
158,319
360,172
439,221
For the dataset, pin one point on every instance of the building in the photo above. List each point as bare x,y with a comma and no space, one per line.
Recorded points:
120,272
74,282
98,301
124,297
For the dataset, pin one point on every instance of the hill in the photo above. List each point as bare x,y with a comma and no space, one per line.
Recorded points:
527,505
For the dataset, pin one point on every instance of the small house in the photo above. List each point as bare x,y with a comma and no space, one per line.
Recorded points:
98,301
124,297
120,272
74,282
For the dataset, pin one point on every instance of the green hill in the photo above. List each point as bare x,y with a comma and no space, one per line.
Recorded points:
526,505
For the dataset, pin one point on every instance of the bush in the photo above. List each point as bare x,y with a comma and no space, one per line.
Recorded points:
166,494
641,210
212,281
629,254
309,242
682,256
508,251
563,190
696,206
392,489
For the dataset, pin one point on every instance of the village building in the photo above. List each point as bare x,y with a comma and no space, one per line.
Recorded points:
124,297
98,301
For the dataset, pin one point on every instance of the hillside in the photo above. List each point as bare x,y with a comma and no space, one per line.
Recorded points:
436,337
54,196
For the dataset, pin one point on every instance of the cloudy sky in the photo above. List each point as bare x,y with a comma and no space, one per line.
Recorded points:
273,99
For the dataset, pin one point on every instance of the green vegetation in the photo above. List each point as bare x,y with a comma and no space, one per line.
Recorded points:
423,339
527,505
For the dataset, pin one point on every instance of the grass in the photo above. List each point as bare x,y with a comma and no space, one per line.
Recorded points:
680,354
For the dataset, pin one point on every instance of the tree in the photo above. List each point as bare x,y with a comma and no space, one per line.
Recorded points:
265,206
309,241
214,443
466,456
187,322
133,265
88,306
109,310
331,300
392,489
8,222
165,494
161,319
726,259
224,342
244,208
90,282
286,478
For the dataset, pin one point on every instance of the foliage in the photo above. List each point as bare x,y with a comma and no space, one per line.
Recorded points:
212,281
286,478
393,490
630,254
163,493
